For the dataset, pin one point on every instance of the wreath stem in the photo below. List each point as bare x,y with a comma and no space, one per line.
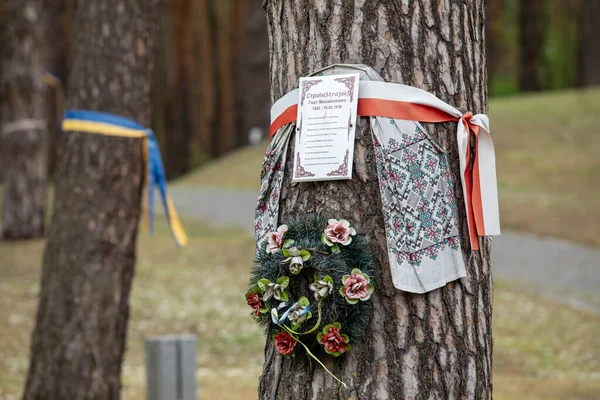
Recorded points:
322,365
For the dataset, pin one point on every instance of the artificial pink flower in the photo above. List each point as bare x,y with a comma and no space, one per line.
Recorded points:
356,286
276,239
338,232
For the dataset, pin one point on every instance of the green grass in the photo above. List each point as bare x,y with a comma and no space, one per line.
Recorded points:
239,169
547,156
547,149
543,350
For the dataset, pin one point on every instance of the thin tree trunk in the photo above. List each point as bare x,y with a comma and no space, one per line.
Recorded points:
61,16
493,35
436,345
204,92
589,50
239,17
24,136
530,43
226,117
79,339
254,77
179,121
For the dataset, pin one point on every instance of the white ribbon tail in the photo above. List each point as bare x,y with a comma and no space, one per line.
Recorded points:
462,136
487,176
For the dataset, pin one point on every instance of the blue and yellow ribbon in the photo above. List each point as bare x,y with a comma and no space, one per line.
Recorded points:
51,79
113,125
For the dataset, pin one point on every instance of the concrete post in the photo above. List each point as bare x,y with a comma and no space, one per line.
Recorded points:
171,367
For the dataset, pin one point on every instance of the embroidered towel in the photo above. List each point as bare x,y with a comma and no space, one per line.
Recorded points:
418,201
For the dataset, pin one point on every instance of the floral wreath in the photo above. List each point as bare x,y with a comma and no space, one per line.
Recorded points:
311,284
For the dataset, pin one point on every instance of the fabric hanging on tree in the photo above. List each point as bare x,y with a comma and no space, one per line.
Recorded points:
100,123
418,201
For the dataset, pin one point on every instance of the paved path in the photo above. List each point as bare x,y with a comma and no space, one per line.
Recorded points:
550,266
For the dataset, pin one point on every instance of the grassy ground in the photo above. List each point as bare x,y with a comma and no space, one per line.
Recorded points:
542,350
547,155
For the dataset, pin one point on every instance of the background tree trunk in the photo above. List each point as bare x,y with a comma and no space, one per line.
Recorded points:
25,141
432,346
589,48
226,133
79,339
530,42
179,114
239,18
205,93
61,15
254,78
493,35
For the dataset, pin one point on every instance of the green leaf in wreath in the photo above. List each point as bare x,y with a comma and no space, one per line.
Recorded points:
303,301
326,241
288,243
262,283
283,296
283,281
305,255
335,249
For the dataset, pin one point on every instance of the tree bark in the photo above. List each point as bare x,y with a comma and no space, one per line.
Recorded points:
238,17
179,115
589,50
226,133
254,78
432,346
79,339
530,44
61,16
204,92
24,136
493,35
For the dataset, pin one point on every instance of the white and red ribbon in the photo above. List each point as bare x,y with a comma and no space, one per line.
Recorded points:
391,100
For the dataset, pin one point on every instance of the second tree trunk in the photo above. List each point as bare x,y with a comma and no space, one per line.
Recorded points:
436,345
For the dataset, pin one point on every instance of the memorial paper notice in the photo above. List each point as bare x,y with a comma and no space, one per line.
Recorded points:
325,128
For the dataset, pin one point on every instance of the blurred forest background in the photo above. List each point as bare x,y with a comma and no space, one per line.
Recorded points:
212,84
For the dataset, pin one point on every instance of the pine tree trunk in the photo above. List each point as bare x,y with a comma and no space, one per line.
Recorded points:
226,117
530,43
204,91
79,339
432,346
589,50
179,121
24,135
239,10
493,36
254,79
60,15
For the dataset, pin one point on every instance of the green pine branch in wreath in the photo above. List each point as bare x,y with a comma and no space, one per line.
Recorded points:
311,285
